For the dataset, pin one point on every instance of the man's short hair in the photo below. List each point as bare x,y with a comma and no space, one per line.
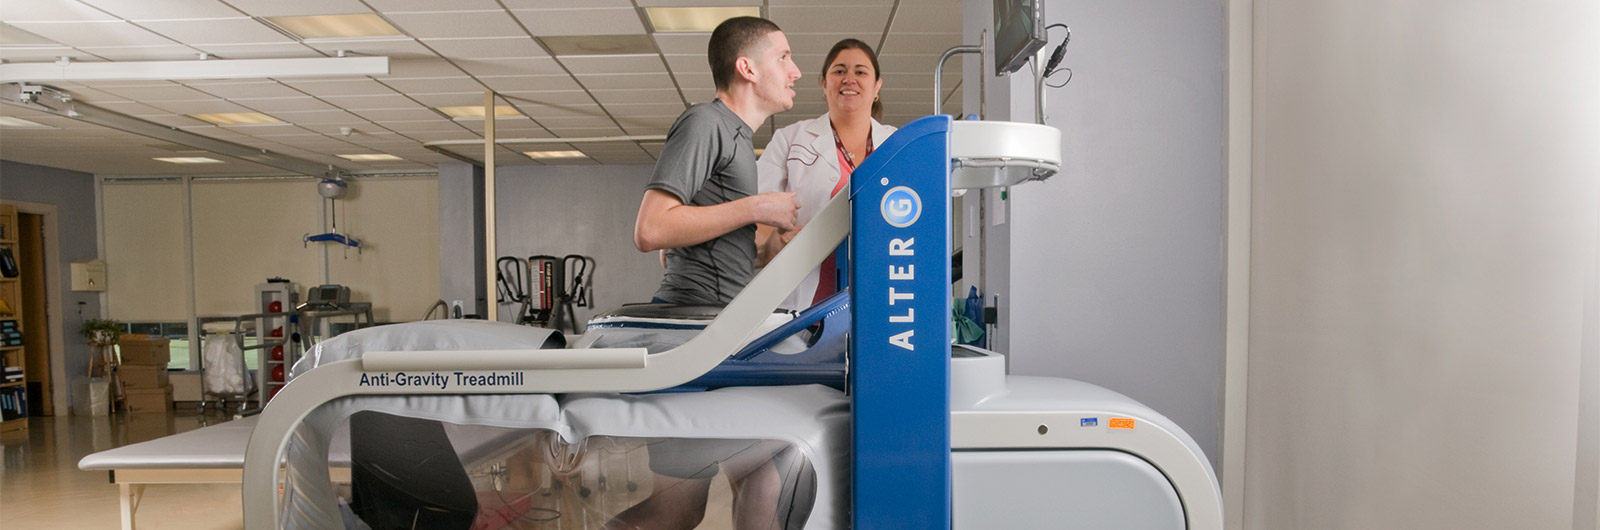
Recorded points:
734,38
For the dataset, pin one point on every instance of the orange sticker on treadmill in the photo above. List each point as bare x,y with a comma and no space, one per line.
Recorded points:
1121,423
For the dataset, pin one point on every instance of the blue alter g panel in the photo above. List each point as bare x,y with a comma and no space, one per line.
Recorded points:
900,346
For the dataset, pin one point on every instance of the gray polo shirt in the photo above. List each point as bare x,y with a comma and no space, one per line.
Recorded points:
708,160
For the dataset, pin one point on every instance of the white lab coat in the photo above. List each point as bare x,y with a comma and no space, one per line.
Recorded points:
804,159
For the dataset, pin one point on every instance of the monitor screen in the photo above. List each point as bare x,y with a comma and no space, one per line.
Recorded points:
1018,33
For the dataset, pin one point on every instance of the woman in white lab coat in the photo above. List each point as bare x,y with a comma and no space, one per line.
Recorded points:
813,158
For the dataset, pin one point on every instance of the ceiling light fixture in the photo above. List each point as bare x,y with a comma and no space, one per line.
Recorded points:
475,112
695,19
189,160
378,157
355,26
19,123
554,154
237,118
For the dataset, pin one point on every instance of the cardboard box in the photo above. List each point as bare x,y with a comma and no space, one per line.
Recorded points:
148,400
144,376
142,349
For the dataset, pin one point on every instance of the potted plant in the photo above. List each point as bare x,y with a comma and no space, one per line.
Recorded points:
102,331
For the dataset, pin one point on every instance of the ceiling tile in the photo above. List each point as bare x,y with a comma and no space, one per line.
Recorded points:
391,101
435,85
218,31
275,105
865,21
459,99
584,121
412,128
51,10
385,116
647,109
706,3
694,44
628,81
529,82
913,19
391,47
690,64
919,43
502,126
165,92
435,136
457,25
614,64
531,66
113,33
606,97
563,111
655,122
280,8
318,116
487,48
259,51
835,2
565,4
586,132
260,89
212,106
128,107
559,22
137,10
402,6
352,87
549,97
144,53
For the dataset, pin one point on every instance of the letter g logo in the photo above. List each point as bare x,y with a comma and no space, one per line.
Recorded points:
901,207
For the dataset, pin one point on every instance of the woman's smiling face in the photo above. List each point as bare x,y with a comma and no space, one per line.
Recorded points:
851,84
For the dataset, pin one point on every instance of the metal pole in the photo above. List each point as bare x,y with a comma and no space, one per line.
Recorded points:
493,312
938,73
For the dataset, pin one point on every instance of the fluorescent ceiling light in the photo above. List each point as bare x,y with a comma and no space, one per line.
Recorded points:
19,123
695,19
369,157
600,45
475,112
336,26
14,36
237,118
189,160
554,154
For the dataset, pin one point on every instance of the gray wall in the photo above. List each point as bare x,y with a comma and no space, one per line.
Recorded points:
72,193
588,210
461,238
1422,303
1116,264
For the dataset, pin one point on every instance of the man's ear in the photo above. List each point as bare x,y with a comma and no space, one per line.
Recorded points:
746,68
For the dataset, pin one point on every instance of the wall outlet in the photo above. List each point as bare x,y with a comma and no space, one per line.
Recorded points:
457,308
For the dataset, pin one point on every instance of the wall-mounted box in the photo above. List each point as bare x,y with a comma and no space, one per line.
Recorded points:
89,275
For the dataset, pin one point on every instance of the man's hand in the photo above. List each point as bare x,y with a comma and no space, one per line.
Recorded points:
777,209
770,241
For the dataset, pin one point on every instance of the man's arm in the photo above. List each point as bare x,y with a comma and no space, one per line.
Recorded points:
665,222
770,241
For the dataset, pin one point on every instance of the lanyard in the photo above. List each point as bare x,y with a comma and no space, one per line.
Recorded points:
849,158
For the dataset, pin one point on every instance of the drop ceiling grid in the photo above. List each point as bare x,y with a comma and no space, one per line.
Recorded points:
451,53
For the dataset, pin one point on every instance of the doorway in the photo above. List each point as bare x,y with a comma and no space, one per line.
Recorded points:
35,304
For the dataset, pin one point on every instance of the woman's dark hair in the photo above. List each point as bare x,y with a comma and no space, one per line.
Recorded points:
877,73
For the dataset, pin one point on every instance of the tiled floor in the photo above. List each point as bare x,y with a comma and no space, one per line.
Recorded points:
41,486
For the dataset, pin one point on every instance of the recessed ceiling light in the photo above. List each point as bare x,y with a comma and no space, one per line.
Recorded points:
369,157
695,19
554,154
600,45
189,160
14,36
336,26
475,112
19,123
237,118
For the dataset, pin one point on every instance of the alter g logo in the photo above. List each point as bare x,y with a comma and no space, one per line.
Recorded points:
901,207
